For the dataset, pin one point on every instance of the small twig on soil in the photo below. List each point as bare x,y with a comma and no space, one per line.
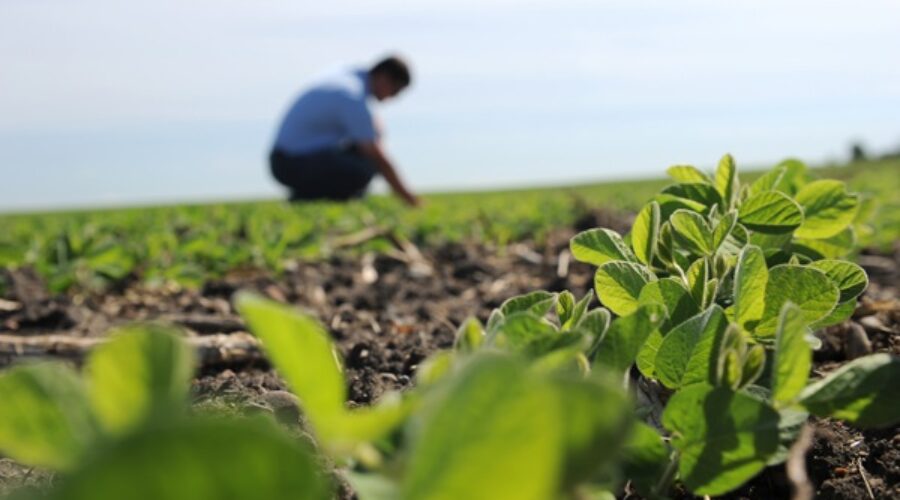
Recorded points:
562,263
527,254
418,264
204,323
368,274
358,238
214,349
796,465
9,305
862,473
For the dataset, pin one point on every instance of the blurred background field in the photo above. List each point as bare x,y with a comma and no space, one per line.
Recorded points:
188,244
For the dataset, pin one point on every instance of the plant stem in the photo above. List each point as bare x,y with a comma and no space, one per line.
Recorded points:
665,481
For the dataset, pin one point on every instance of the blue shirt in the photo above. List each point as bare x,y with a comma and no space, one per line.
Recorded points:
333,112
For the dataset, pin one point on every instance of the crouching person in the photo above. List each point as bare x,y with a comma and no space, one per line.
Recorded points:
328,144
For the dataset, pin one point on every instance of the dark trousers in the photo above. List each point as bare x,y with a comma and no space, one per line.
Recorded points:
338,174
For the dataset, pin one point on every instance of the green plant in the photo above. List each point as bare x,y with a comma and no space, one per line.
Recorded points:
122,430
742,275
717,288
474,413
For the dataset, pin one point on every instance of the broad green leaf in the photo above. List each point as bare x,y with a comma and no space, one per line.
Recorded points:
698,192
850,279
692,231
44,416
304,355
793,356
790,423
727,181
468,439
538,303
793,176
688,352
200,459
750,278
599,246
807,288
672,294
829,248
518,330
723,230
144,372
697,275
645,231
646,357
619,285
735,241
626,335
645,458
770,212
771,242
769,181
838,315
469,335
827,209
725,437
687,173
668,203
863,392
595,417
572,342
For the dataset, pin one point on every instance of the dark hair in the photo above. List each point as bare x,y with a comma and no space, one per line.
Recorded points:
395,68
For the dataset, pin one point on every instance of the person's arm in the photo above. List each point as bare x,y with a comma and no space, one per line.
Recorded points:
374,151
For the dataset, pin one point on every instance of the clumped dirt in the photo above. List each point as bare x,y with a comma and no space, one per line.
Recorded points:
387,313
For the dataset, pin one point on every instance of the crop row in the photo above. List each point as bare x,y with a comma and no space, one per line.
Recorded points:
190,244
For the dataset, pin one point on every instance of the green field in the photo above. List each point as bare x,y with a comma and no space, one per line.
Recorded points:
190,243
685,366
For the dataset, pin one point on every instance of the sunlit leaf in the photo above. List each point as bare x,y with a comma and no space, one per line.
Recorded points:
770,212
619,285
687,353
619,347
725,437
793,356
864,392
599,246
200,459
645,231
827,209
144,372
44,416
807,288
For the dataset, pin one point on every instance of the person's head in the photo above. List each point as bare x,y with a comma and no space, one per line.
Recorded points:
388,77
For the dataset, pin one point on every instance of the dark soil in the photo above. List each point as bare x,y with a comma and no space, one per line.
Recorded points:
387,316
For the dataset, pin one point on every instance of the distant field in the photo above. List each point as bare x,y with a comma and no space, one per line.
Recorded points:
190,243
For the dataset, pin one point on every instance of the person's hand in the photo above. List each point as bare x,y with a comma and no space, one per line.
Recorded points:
411,199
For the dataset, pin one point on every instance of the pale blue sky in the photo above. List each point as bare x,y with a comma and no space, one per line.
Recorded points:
109,102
